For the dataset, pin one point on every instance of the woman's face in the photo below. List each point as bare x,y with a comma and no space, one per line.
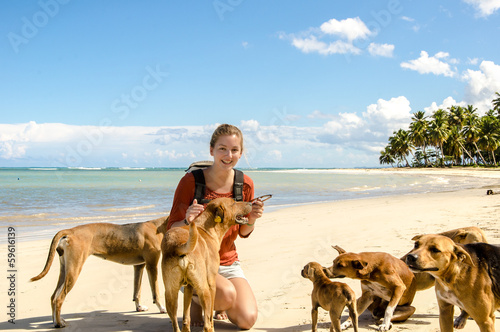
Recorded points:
227,151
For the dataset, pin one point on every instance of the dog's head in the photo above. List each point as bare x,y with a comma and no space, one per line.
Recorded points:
312,270
436,254
222,213
348,264
466,235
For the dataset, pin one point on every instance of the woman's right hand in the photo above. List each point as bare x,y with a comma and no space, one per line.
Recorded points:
193,211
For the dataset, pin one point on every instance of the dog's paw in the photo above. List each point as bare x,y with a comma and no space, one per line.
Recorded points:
345,325
163,310
60,324
141,308
459,322
384,327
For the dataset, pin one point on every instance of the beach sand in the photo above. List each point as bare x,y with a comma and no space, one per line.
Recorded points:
283,242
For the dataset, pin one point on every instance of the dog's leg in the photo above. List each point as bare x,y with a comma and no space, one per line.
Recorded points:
205,297
488,324
186,317
353,313
138,270
461,320
152,268
314,317
71,265
56,311
335,315
445,316
362,303
171,296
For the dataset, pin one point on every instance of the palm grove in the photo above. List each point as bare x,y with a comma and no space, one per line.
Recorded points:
451,137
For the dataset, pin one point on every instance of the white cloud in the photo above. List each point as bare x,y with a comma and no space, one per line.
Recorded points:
385,50
312,44
332,37
388,115
350,28
447,103
482,85
319,115
484,7
431,65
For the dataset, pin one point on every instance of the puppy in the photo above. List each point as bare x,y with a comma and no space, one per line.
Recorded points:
382,275
331,296
467,276
191,258
135,244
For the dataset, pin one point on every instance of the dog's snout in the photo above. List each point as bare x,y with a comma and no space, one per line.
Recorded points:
411,258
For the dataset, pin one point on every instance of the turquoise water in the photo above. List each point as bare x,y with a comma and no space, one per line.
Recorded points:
40,201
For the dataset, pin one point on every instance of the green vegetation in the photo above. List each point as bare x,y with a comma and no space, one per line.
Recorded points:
457,136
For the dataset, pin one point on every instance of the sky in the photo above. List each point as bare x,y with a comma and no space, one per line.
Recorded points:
311,84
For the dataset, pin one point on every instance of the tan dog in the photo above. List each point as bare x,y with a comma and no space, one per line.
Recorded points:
331,296
135,244
191,258
382,275
467,276
464,235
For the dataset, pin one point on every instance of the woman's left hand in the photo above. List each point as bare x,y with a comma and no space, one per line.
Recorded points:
257,210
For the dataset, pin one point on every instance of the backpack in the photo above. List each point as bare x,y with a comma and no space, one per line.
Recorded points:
196,169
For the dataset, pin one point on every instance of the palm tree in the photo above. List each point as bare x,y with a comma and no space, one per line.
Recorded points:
470,131
439,130
454,145
496,103
387,156
418,132
489,135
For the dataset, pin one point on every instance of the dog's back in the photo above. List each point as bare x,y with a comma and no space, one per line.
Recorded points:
488,258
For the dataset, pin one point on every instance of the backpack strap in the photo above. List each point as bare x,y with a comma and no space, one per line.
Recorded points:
238,185
199,188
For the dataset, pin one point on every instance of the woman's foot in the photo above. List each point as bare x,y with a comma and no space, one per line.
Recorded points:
220,315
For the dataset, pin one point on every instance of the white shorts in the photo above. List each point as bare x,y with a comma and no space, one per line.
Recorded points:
232,271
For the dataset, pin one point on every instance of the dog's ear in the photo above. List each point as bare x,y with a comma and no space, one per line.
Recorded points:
327,272
219,214
310,273
362,267
339,249
416,237
359,264
463,255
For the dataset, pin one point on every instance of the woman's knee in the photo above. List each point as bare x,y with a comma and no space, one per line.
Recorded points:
225,298
247,319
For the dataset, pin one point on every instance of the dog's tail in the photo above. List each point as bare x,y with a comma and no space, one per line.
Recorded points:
52,252
187,247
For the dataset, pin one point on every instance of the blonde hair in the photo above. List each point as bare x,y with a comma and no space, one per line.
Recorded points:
226,130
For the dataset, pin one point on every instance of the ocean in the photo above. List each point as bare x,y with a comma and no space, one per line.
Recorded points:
40,201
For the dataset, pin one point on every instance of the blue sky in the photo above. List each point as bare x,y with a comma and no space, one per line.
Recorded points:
311,84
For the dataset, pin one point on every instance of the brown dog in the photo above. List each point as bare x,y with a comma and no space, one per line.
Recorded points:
191,258
467,276
464,235
382,275
135,244
331,296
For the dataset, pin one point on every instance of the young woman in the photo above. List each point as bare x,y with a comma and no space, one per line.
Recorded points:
234,298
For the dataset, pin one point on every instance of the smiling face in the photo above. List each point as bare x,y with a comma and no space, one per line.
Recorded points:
226,151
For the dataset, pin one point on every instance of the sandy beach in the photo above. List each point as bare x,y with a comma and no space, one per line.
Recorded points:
283,242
